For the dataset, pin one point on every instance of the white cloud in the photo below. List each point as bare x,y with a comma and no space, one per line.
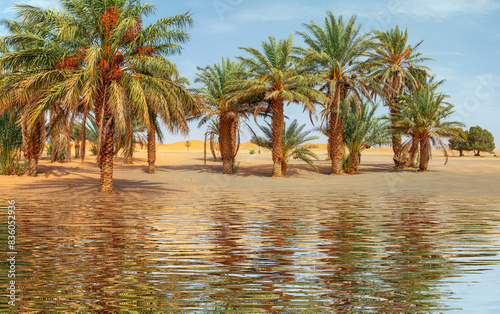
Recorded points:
444,8
278,12
214,27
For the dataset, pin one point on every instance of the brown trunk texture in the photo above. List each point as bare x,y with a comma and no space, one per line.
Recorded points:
413,152
225,143
336,143
284,167
354,165
129,149
277,129
77,149
107,154
33,142
84,136
424,153
151,149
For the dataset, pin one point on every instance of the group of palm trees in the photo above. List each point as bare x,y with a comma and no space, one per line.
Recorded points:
94,60
340,70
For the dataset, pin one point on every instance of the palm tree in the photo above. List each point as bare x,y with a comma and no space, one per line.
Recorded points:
278,77
14,98
335,52
219,82
168,106
94,57
294,144
212,134
423,115
10,144
395,65
361,131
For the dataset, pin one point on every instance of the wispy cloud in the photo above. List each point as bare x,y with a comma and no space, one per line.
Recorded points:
36,3
278,12
445,8
215,27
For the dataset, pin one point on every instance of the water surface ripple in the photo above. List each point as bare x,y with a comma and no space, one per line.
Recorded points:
269,254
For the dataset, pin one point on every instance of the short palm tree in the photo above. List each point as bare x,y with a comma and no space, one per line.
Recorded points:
295,144
395,65
423,115
212,134
335,52
220,82
361,131
279,77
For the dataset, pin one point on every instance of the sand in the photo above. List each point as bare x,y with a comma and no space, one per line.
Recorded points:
183,178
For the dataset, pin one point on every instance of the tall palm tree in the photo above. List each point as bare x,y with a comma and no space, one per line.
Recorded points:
279,76
423,114
169,107
295,144
219,82
394,64
335,52
103,42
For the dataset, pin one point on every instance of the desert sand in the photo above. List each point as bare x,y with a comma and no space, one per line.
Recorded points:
182,177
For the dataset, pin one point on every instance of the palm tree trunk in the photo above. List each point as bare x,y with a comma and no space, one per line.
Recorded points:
129,149
83,135
424,153
212,147
226,144
354,165
413,151
284,167
205,150
397,147
33,144
107,153
336,134
277,129
77,149
151,148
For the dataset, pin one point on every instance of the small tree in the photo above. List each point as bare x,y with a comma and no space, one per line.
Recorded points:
480,139
10,145
294,144
459,144
188,144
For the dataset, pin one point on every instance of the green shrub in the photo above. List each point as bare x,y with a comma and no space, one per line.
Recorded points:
252,151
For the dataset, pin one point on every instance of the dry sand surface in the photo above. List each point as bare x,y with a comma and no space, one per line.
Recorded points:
182,177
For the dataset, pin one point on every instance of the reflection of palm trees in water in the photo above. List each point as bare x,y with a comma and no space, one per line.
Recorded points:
236,289
81,259
276,255
344,242
226,234
413,267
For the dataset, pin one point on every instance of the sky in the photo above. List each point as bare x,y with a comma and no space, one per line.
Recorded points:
462,36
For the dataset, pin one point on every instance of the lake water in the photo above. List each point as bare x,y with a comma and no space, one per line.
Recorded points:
271,254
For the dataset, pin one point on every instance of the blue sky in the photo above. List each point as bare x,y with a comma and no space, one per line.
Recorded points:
462,36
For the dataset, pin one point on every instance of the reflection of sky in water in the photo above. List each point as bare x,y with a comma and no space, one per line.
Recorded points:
324,254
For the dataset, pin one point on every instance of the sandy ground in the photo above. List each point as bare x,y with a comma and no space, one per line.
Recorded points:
182,176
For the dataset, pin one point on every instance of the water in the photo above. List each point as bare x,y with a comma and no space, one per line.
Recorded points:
267,254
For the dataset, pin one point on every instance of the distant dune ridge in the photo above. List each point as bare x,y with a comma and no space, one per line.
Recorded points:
198,145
